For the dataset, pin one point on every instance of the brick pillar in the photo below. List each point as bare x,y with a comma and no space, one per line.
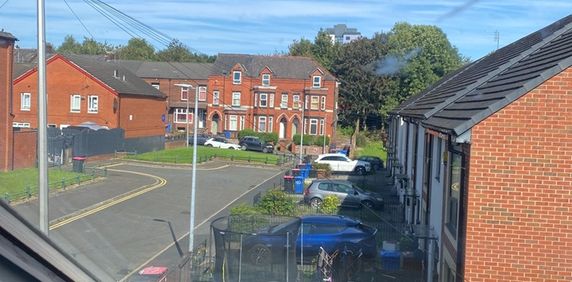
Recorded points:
6,117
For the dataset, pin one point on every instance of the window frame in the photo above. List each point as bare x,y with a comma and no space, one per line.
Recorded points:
284,102
316,81
265,79
216,98
156,85
235,79
232,118
202,94
313,122
323,103
262,120
314,102
181,111
261,99
74,97
23,105
90,105
234,99
322,127
270,124
184,93
453,203
295,102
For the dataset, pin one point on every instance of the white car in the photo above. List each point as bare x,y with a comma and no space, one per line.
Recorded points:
221,142
341,163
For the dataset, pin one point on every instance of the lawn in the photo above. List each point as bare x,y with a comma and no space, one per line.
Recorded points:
185,155
20,183
373,149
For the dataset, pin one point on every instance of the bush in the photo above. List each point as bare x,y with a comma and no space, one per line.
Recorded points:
345,131
246,132
264,136
308,139
318,166
319,141
330,205
244,209
361,140
276,202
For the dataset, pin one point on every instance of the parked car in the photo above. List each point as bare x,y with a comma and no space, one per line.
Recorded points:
253,143
376,162
221,142
331,232
201,139
348,193
341,163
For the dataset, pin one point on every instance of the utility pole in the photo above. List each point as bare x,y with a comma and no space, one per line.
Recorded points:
43,184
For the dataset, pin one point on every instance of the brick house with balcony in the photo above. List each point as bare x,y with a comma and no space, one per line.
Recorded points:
87,89
165,76
6,68
281,94
484,160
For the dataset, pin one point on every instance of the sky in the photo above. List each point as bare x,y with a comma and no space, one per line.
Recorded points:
268,27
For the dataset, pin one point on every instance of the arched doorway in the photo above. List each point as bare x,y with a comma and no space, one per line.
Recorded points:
295,126
215,123
282,128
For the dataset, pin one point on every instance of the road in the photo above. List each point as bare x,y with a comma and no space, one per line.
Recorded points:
111,226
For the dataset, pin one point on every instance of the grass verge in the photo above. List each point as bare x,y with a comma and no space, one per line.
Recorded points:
373,149
185,155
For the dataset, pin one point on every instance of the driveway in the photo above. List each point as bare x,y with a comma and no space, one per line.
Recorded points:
111,227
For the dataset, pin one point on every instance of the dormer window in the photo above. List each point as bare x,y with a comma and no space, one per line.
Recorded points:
116,73
236,77
266,79
316,81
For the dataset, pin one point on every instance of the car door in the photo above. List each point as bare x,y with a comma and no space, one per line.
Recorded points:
339,191
321,234
351,199
331,160
344,164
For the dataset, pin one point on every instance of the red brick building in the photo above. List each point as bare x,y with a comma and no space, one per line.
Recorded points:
485,156
6,134
84,89
271,94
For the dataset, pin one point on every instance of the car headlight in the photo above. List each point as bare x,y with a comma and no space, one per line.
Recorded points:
379,199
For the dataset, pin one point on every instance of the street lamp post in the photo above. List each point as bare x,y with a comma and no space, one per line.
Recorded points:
302,105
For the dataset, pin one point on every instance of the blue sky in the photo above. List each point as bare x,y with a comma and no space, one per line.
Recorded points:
267,27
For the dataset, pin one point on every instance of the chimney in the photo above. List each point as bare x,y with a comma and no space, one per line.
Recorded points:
6,134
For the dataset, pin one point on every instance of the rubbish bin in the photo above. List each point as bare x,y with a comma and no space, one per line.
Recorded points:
390,260
78,164
296,172
289,183
299,184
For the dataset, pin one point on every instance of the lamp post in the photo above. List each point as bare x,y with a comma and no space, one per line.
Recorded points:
302,105
179,250
194,169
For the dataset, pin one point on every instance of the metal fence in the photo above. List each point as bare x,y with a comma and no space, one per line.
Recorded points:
271,159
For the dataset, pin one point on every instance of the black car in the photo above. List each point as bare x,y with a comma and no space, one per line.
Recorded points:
201,139
376,162
253,143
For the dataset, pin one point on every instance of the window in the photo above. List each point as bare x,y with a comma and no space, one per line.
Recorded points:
263,100
261,124
236,99
92,104
295,102
438,159
202,93
314,102
232,122
306,98
216,98
21,124
116,73
156,85
241,123
323,103
181,115
284,101
75,104
266,79
184,93
271,100
316,81
270,124
322,127
453,192
236,77
313,126
25,101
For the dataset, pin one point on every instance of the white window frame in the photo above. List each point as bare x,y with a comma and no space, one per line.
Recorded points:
323,103
184,93
271,100
295,102
236,80
241,125
232,122
236,99
265,79
181,111
322,127
216,98
16,124
284,101
262,121
316,81
306,100
314,102
202,93
313,122
156,85
270,125
263,100
92,104
75,108
25,101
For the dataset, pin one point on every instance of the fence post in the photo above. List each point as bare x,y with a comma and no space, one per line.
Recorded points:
28,191
266,160
248,158
78,180
63,183
176,158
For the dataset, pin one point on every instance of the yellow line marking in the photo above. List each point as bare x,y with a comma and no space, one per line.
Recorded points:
196,226
159,182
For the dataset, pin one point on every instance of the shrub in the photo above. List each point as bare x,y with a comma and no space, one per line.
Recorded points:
276,202
319,141
330,205
244,209
318,166
264,136
345,131
308,139
361,140
246,132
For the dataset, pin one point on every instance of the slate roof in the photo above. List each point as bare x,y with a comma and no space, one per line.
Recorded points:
476,91
282,66
172,70
7,35
104,71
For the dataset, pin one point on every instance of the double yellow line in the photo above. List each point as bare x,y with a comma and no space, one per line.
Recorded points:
158,183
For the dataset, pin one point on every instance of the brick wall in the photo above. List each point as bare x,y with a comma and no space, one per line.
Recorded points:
141,116
6,49
25,148
519,221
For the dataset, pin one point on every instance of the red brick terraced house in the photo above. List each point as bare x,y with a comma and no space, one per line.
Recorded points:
271,94
165,76
87,89
484,159
6,68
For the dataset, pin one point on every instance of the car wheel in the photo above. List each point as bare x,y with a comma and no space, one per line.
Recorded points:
259,255
209,145
264,150
360,170
367,204
315,202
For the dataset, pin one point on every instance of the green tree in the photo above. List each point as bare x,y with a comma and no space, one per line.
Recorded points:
137,49
178,52
89,46
69,46
322,49
301,48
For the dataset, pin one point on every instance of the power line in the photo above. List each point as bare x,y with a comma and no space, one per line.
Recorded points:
76,16
4,4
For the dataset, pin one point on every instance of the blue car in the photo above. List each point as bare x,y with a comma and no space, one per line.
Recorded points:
331,232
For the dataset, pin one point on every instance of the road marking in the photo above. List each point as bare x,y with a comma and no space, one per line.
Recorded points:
159,182
168,166
196,226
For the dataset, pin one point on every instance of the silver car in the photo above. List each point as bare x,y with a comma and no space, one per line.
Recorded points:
348,193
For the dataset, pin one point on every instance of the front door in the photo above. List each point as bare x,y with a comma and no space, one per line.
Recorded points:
282,129
214,124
